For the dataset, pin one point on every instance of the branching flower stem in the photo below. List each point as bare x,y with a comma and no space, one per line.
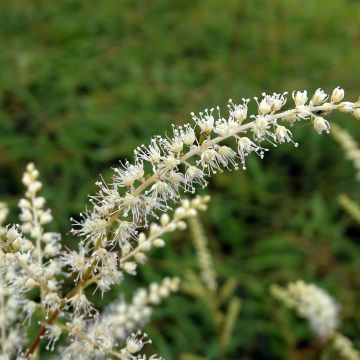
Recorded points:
86,278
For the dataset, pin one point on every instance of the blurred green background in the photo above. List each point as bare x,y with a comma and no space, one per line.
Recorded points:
82,83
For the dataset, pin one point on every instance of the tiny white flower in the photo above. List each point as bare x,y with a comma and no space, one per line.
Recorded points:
300,97
319,97
194,175
228,156
136,342
337,95
283,134
246,147
80,303
210,161
264,105
130,267
187,135
346,107
260,126
238,111
320,124
222,127
205,120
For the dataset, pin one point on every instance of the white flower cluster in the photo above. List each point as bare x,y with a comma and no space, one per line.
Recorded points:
122,318
184,159
311,303
106,267
33,216
98,338
26,263
113,240
349,146
177,163
35,268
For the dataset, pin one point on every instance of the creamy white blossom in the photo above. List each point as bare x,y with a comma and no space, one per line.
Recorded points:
122,318
337,95
319,97
311,303
129,216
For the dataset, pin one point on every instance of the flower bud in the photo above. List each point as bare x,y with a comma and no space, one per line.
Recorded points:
30,284
181,225
140,258
356,113
264,107
319,97
45,218
337,95
39,202
165,219
281,133
12,234
146,245
171,227
346,107
159,242
300,97
130,267
320,124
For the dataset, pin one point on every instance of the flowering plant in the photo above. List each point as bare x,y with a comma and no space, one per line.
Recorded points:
127,217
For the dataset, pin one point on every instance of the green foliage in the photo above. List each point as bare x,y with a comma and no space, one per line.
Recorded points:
83,83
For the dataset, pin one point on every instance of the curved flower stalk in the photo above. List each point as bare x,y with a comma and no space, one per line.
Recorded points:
110,243
177,163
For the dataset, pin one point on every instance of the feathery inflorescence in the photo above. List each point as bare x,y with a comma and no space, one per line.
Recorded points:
169,166
320,310
129,215
311,303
